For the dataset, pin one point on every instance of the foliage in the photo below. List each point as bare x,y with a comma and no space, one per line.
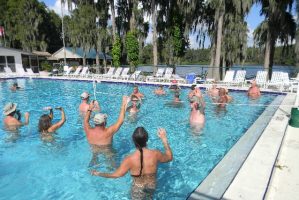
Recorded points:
132,48
27,24
46,66
116,52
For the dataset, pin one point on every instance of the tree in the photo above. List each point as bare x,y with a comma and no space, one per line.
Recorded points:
82,28
278,25
132,48
116,51
27,25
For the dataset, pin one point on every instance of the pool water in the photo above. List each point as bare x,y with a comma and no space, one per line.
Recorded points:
33,169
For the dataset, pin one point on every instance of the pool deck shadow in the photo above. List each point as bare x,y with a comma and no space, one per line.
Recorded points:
245,171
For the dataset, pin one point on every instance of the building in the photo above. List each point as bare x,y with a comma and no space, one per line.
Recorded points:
18,60
74,56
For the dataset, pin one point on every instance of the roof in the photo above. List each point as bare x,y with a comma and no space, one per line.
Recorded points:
16,50
42,53
78,53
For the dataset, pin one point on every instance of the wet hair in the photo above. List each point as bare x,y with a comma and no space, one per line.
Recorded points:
193,87
140,137
177,95
44,123
134,98
222,92
15,84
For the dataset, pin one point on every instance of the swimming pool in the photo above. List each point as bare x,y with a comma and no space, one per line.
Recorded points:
32,169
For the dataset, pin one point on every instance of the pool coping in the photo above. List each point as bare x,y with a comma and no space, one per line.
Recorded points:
220,179
130,82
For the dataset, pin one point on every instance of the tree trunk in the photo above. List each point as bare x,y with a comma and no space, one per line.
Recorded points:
97,58
210,70
269,54
133,18
84,60
113,19
218,46
154,27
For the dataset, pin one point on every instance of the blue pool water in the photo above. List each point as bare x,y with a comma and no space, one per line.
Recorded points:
32,169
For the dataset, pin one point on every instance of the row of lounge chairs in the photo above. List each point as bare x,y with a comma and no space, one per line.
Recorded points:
279,79
162,74
21,72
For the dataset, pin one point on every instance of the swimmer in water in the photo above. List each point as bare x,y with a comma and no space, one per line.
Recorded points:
134,108
174,87
85,104
137,93
13,117
142,164
254,91
45,126
222,100
191,93
214,92
160,91
197,116
15,87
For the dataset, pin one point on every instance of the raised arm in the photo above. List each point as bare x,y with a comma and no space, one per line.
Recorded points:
121,171
167,156
115,127
56,126
87,117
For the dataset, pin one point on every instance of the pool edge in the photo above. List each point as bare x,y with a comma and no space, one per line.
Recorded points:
222,175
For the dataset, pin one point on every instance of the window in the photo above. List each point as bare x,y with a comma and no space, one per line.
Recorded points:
2,63
33,61
11,63
25,62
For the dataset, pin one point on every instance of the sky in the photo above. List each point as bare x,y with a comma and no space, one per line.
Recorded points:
253,20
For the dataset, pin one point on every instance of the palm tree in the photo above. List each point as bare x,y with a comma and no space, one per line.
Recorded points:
279,25
228,12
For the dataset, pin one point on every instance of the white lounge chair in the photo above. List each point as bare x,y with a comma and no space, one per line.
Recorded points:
240,77
135,75
117,73
159,74
124,74
276,79
228,78
31,73
8,72
261,78
108,74
167,76
76,73
85,72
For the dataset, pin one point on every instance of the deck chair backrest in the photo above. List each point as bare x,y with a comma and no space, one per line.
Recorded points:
110,71
135,74
84,71
118,71
29,71
285,77
261,77
240,76
160,72
76,72
20,71
276,77
7,70
168,73
68,71
229,76
125,71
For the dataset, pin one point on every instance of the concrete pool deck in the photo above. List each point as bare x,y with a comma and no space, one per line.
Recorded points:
234,178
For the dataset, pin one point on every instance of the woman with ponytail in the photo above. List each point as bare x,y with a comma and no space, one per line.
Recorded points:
142,164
